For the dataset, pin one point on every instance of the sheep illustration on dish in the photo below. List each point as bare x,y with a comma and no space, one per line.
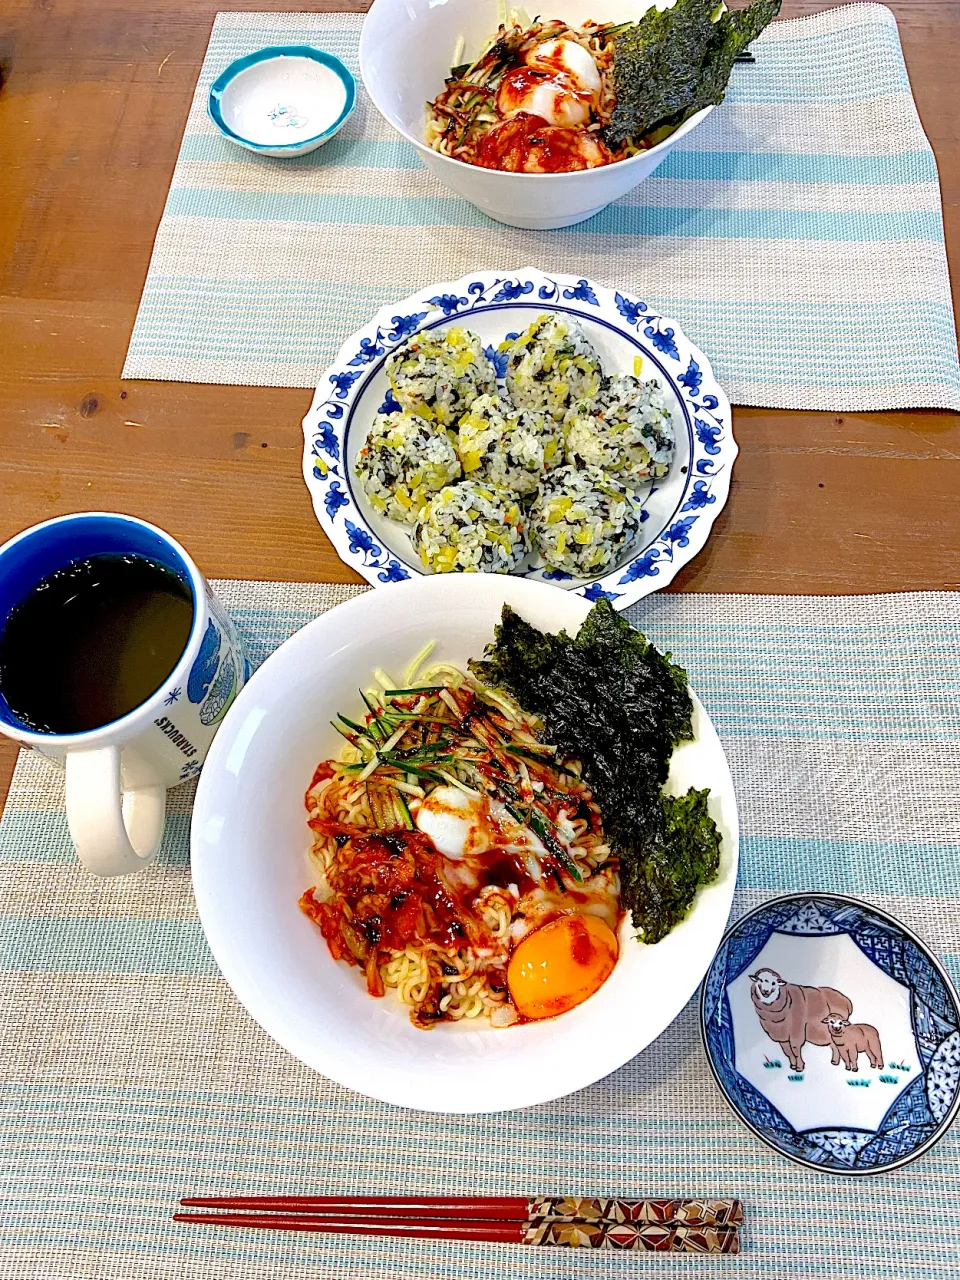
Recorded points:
850,1039
793,1015
833,1033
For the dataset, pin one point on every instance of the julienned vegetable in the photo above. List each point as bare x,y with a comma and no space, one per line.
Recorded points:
674,62
609,698
466,859
446,837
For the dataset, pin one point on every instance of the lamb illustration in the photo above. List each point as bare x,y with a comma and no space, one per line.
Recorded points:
850,1039
791,1015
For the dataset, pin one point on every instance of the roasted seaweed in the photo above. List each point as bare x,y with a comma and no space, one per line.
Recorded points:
661,885
611,699
673,63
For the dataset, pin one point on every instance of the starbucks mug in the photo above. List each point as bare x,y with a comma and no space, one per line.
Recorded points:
117,775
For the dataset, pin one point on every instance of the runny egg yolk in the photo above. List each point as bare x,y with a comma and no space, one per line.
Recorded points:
559,965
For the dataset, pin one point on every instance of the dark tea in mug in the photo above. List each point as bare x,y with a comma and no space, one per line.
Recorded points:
92,641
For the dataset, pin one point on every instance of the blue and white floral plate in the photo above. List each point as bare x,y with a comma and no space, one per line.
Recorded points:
833,1033
630,337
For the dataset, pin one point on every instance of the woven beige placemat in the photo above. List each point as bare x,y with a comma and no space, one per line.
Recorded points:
796,235
130,1075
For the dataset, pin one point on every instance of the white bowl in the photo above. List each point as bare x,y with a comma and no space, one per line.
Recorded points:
249,852
406,49
282,101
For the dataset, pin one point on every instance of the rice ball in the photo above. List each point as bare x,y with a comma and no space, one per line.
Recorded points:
403,461
627,431
508,447
552,367
471,527
583,520
438,376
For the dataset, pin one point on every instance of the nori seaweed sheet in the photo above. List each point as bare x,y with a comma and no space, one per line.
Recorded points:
672,64
611,699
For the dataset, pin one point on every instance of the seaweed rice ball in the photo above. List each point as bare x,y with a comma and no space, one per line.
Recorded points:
438,376
507,447
403,461
471,527
583,520
552,367
627,432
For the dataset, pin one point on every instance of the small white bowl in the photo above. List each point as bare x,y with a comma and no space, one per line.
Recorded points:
249,854
282,101
406,49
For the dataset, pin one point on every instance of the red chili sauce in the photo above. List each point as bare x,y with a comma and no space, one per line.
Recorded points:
388,890
527,144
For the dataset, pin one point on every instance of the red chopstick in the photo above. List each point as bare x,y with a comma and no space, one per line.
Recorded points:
685,1226
497,1208
686,1212
634,1237
417,1228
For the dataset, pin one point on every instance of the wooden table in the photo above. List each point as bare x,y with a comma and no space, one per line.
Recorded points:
92,108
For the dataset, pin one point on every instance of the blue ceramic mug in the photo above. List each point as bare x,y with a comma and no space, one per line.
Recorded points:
117,775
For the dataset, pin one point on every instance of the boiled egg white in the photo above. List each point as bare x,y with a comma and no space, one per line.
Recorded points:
450,818
460,825
549,99
559,83
570,57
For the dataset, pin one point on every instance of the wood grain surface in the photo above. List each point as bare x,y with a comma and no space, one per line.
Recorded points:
92,107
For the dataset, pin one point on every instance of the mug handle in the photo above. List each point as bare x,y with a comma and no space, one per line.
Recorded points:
114,832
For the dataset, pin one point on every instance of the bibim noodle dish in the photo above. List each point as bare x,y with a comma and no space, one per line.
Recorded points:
545,97
484,833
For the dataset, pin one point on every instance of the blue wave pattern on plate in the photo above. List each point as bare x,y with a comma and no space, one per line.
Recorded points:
667,356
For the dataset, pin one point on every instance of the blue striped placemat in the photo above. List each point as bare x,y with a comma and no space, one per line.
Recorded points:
129,1074
796,235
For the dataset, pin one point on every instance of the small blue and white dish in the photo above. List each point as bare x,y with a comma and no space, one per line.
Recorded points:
282,101
833,1033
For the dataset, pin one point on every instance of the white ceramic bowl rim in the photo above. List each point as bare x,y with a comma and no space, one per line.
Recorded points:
662,147
328,60
249,865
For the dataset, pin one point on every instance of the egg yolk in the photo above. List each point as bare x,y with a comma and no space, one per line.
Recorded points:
559,965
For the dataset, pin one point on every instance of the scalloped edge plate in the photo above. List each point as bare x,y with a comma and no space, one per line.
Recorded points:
702,417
